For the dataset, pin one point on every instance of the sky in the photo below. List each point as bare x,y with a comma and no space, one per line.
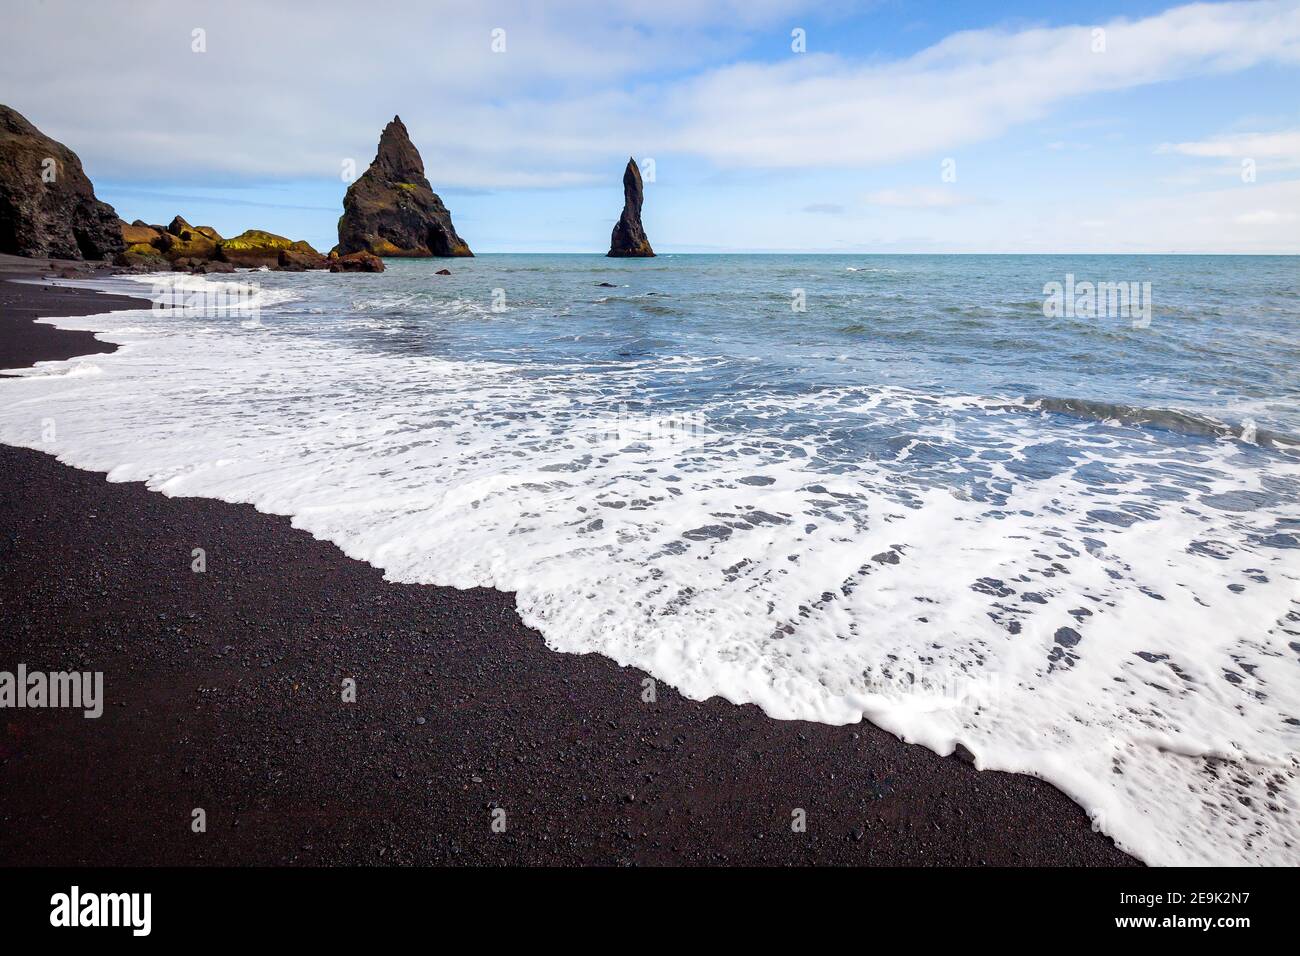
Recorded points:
761,125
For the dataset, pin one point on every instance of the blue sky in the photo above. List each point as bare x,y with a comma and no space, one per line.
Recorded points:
1053,144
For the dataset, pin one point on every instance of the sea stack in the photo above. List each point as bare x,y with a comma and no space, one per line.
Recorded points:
392,211
47,204
629,240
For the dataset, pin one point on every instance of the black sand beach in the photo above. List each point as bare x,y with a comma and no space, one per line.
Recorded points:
223,693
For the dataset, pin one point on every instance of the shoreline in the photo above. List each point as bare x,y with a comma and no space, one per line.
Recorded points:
222,693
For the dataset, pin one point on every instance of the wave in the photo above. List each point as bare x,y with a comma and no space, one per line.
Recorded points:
1165,419
170,288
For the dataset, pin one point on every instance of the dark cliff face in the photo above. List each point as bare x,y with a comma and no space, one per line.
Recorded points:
47,204
629,239
392,211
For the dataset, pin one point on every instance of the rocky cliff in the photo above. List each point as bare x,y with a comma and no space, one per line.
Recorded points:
629,239
392,211
47,204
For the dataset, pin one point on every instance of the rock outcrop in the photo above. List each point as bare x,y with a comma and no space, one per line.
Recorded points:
255,248
180,240
144,247
391,210
47,204
295,260
182,247
356,262
628,239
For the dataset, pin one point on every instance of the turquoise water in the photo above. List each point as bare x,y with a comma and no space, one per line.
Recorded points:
717,339
1223,343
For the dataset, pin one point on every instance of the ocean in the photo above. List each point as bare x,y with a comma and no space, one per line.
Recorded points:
1062,534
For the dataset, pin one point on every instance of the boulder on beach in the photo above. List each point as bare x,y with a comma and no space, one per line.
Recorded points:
629,239
47,203
356,262
211,266
391,210
294,260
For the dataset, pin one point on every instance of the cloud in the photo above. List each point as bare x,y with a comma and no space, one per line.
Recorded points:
918,197
819,112
825,208
1247,219
822,111
1284,144
1264,217
224,200
1230,154
282,94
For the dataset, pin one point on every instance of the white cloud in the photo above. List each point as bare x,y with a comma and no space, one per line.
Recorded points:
1255,218
285,93
1284,144
823,111
1229,154
825,208
1264,217
918,197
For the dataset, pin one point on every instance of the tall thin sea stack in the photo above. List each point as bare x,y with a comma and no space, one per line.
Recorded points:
629,239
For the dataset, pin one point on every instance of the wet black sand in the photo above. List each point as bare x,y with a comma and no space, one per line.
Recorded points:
223,693
24,342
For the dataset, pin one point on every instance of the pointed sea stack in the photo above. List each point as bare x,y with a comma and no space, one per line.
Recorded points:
628,239
392,211
47,204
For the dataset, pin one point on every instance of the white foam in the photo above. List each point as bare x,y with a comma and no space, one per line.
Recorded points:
735,564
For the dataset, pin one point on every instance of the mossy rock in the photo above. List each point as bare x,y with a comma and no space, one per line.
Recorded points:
138,234
142,249
134,260
256,240
382,247
184,231
255,248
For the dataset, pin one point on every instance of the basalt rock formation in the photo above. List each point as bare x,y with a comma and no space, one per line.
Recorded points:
182,247
143,247
629,239
254,248
47,204
355,262
180,240
391,210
